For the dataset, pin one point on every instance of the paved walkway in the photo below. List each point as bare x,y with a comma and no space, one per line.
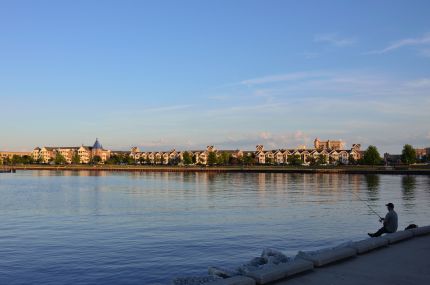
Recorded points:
404,263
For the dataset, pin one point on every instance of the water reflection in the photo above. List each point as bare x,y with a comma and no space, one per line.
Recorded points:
185,221
409,184
428,182
68,173
372,182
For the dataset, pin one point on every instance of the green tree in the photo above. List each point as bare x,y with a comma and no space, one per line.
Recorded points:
114,159
6,160
322,159
409,155
312,161
220,159
224,158
187,159
76,159
27,159
59,158
371,156
16,159
212,158
96,159
128,160
295,160
249,159
352,160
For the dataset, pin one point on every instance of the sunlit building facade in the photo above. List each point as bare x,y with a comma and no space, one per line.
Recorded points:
85,154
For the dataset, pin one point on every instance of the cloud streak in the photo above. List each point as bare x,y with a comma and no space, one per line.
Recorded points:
167,108
350,104
334,40
294,76
248,141
424,40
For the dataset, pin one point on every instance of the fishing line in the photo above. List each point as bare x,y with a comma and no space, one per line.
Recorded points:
359,198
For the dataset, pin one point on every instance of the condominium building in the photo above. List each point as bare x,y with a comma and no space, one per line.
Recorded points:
332,151
47,154
328,144
283,156
334,154
8,155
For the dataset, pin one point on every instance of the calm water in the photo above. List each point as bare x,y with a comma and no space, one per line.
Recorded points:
131,228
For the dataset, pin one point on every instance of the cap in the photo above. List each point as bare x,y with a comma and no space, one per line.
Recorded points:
391,205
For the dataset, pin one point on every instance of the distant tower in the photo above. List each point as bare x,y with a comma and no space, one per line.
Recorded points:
317,143
135,149
97,148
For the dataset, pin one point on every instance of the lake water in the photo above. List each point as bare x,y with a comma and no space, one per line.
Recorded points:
147,228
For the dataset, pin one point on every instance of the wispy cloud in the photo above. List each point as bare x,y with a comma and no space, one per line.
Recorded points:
167,108
294,76
335,40
424,40
419,83
270,140
156,143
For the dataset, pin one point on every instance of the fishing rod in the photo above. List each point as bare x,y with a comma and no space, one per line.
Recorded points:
365,202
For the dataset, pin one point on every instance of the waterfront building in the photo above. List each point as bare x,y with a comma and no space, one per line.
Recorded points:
331,151
392,159
332,155
261,156
47,154
8,155
422,153
328,144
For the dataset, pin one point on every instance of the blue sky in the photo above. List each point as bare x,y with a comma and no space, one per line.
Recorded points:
185,74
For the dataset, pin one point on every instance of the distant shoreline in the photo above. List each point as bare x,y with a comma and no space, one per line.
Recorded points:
425,170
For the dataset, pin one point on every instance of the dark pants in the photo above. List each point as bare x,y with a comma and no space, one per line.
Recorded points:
380,232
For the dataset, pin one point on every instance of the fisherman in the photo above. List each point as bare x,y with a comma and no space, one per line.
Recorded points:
389,222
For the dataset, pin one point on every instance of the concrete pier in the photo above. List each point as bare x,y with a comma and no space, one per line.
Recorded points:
402,263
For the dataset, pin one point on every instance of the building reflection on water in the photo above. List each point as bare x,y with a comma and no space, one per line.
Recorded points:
70,173
319,188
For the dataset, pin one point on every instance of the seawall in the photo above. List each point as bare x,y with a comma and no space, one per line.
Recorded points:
401,263
234,169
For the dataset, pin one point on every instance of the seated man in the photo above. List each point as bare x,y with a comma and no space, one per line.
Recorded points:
390,222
